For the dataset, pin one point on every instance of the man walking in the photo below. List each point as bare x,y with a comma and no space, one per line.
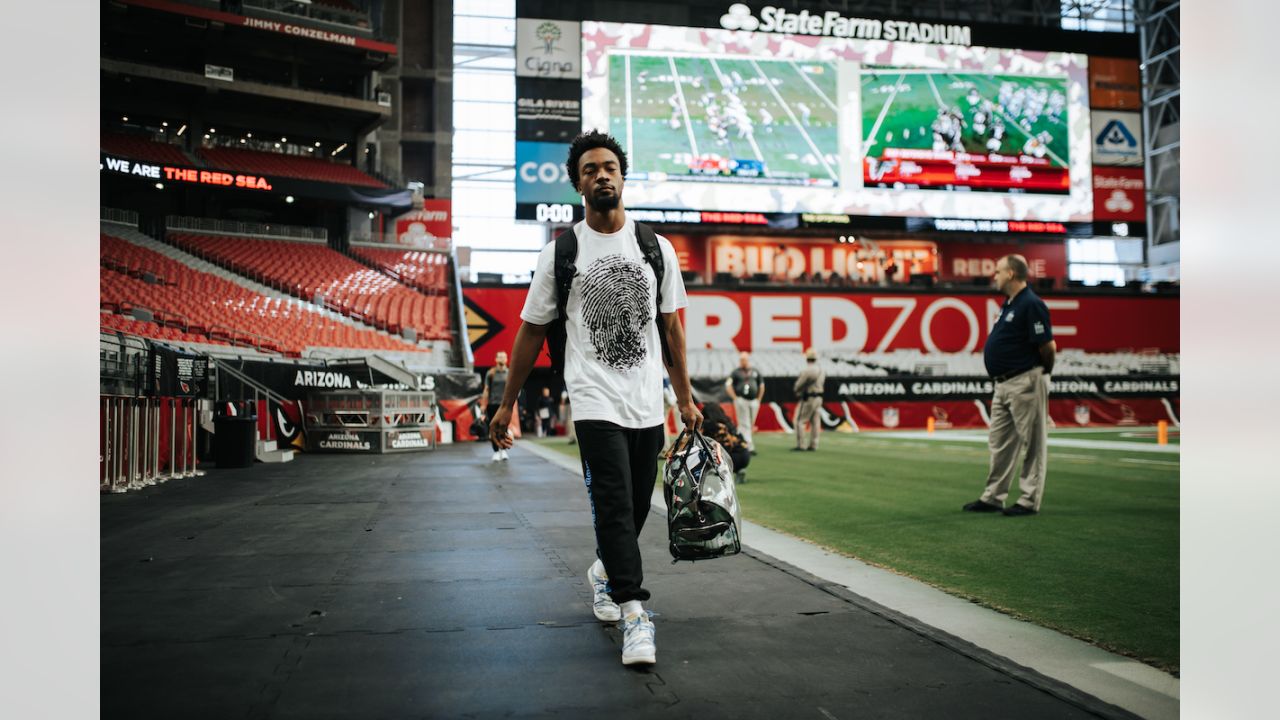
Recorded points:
1019,356
613,373
495,384
746,386
808,389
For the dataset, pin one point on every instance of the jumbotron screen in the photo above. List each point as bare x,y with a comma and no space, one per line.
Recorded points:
734,120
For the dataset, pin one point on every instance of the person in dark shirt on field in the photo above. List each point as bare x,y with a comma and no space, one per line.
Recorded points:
1019,356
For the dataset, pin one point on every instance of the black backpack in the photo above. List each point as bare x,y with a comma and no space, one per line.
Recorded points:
566,271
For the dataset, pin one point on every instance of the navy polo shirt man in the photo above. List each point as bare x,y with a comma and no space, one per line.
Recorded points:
1019,356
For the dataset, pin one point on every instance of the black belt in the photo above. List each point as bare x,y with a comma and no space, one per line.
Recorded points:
1011,375
807,396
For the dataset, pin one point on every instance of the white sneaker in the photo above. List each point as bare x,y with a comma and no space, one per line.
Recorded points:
605,609
497,455
504,455
637,641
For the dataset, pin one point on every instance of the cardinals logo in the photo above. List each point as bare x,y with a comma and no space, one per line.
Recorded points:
287,418
1127,415
941,419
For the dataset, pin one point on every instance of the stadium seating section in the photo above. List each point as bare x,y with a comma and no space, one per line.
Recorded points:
309,269
193,306
304,168
139,148
427,271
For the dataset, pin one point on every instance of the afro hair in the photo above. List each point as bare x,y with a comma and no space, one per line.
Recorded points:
590,141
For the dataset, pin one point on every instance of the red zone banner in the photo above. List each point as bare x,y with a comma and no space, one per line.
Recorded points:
939,168
873,322
861,322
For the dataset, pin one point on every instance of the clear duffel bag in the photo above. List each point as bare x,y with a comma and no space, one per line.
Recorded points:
704,520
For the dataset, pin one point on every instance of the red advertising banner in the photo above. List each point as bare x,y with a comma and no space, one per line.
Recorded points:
691,250
430,227
945,168
268,25
962,261
1119,194
863,322
794,258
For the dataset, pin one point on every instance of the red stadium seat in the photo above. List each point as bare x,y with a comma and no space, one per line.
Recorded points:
213,309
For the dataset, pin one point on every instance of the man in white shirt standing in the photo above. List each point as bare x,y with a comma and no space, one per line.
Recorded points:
613,373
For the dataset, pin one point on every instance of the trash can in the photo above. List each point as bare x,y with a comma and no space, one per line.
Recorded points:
234,434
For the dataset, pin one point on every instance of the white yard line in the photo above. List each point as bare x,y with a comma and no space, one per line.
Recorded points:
871,137
805,76
817,153
684,106
981,437
750,138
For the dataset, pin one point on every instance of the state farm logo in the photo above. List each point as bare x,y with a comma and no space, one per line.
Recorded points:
739,17
1119,202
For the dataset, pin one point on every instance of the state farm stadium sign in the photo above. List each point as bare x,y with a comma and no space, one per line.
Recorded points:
833,24
168,173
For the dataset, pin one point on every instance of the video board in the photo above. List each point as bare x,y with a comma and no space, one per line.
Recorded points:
720,119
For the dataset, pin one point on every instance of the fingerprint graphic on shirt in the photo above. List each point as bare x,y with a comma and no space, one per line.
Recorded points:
616,310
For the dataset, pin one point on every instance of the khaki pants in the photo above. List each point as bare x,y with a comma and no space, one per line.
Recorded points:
1019,423
808,411
746,410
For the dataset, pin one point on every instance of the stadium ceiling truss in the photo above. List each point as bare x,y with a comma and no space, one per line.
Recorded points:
1161,45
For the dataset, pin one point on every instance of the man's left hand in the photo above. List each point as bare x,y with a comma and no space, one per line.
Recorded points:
690,416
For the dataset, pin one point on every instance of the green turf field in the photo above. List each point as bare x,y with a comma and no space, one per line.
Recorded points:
1100,562
660,105
899,107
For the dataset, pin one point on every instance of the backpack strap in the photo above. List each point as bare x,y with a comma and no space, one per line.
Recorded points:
648,241
566,256
565,270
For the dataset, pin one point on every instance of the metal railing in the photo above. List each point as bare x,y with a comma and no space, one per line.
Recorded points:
131,432
124,217
238,227
350,20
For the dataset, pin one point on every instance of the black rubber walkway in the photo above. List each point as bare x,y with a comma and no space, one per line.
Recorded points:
437,585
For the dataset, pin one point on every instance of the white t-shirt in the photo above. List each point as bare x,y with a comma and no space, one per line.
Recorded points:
613,357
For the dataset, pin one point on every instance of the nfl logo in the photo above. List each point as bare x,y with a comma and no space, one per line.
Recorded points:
890,417
1082,414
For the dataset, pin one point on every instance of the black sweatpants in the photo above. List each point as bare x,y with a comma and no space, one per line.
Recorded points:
619,466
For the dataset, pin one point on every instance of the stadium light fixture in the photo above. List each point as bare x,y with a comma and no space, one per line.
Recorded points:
124,118
182,129
248,135
243,141
284,139
277,145
371,215
159,186
317,143
288,198
164,123
206,136
338,149
213,130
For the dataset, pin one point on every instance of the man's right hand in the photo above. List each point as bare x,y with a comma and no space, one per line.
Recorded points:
500,428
